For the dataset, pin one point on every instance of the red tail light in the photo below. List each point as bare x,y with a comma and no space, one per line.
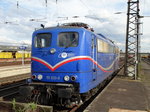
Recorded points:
33,76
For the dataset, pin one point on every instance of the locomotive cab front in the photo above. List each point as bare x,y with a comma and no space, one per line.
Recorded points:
59,65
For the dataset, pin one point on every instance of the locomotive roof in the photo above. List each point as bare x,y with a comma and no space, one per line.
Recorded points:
78,24
55,27
70,25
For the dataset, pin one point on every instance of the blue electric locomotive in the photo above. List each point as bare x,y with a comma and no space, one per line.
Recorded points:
68,63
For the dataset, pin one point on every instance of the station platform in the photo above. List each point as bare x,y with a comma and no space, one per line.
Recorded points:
12,73
124,94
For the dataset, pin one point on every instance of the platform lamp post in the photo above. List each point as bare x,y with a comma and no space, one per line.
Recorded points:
23,48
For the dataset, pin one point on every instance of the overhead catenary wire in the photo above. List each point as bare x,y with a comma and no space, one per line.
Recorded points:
85,5
46,3
17,4
92,14
18,8
21,7
88,8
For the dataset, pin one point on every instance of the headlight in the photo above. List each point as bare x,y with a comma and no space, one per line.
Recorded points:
40,77
73,78
52,51
66,78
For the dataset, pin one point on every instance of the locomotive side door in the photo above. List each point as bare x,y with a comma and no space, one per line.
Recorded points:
94,56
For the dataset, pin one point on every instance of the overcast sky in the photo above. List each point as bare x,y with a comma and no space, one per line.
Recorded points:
17,25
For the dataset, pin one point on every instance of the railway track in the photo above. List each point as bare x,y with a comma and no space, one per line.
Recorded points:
11,89
146,60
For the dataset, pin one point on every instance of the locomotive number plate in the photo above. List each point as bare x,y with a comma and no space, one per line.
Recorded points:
53,77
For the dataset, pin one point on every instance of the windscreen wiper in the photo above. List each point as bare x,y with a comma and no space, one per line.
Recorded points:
71,43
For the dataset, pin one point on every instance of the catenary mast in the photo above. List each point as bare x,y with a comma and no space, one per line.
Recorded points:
132,39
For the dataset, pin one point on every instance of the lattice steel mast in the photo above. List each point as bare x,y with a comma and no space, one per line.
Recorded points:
132,39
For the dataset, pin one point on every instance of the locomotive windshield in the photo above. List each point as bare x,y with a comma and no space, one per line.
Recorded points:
68,39
43,40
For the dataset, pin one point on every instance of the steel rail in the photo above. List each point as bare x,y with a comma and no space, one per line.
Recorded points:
10,89
146,60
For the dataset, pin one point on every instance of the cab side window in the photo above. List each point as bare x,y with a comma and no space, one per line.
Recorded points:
102,46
